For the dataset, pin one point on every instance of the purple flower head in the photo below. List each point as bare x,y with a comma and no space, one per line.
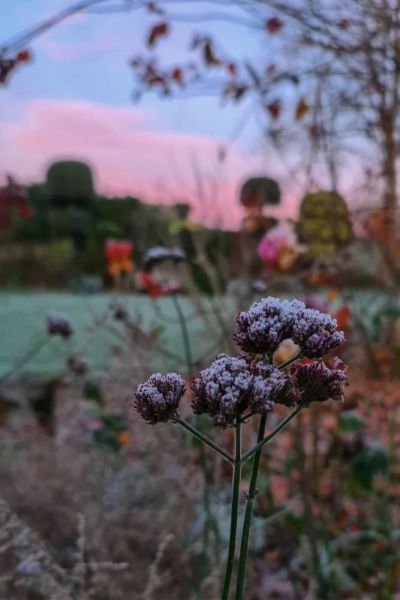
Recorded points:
263,327
233,384
158,398
317,383
58,324
223,390
267,323
316,333
271,386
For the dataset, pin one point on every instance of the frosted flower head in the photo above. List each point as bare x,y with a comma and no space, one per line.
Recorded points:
223,390
158,398
233,384
316,333
267,323
271,386
316,382
58,324
261,329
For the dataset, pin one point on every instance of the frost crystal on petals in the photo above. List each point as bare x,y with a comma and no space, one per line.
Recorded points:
222,391
317,383
267,323
271,386
315,332
261,329
233,384
158,398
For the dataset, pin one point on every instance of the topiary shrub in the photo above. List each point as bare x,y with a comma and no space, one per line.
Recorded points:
324,223
258,191
70,182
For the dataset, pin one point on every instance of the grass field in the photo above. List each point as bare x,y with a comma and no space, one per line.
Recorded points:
23,329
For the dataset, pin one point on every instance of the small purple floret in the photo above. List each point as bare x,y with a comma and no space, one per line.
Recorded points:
222,391
317,383
58,324
271,386
158,398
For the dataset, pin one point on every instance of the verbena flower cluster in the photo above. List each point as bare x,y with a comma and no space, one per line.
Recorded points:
58,324
159,254
158,398
249,383
317,383
261,329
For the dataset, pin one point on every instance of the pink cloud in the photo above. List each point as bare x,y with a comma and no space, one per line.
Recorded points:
128,155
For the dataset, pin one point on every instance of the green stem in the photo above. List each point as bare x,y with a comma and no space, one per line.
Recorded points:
185,334
249,511
237,467
264,440
200,436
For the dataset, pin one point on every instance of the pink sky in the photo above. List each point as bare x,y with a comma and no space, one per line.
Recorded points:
129,155
75,101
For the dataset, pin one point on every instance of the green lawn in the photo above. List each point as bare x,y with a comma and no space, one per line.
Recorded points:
23,328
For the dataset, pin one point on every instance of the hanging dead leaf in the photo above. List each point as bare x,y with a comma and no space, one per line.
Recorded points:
23,56
273,25
231,68
301,110
177,76
274,109
159,30
6,67
208,54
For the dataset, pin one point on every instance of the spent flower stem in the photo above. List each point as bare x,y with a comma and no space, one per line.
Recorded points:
264,440
249,511
237,468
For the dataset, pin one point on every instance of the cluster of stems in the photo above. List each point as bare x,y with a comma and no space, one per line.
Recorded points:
237,460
